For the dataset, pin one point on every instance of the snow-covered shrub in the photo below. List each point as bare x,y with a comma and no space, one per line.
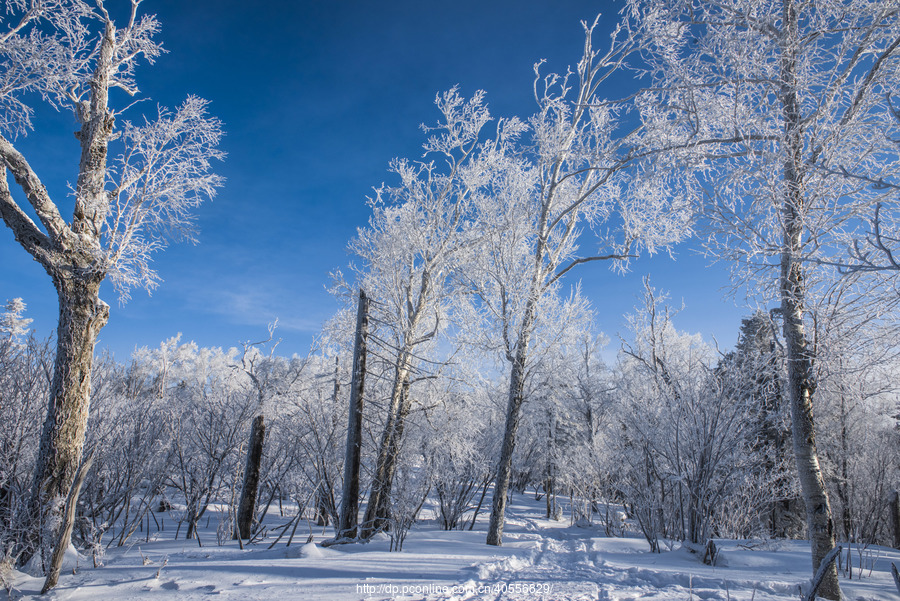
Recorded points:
458,450
686,441
26,365
408,494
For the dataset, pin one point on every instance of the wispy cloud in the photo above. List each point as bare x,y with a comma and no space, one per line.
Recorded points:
258,299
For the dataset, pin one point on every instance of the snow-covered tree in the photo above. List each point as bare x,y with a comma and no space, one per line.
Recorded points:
458,452
270,376
552,420
315,428
209,403
770,103
419,234
584,466
552,178
754,376
855,338
14,326
71,54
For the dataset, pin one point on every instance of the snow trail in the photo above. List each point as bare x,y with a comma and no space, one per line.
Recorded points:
575,569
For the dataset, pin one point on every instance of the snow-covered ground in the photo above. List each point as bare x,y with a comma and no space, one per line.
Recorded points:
540,559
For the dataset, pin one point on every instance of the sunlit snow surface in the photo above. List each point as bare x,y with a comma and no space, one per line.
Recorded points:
540,559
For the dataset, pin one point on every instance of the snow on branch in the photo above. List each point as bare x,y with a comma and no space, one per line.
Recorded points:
162,174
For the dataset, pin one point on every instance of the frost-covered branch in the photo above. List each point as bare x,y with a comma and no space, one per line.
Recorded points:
163,173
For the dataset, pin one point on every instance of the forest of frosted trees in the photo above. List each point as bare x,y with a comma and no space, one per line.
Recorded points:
765,132
688,442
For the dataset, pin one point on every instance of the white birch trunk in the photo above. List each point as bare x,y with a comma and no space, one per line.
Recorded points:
801,379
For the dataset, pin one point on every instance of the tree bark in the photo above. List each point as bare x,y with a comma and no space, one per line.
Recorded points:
800,356
504,466
81,316
513,415
350,497
801,386
250,489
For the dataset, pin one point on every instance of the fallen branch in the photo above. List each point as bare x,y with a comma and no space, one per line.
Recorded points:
820,573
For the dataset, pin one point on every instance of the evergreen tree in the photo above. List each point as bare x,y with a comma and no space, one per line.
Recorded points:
755,377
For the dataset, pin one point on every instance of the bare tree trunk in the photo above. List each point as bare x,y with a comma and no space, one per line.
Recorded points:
350,496
378,511
513,414
895,519
81,316
250,489
484,489
801,378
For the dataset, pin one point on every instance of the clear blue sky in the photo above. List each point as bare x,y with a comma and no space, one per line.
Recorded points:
316,98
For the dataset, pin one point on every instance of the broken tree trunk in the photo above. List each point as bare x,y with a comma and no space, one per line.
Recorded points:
250,489
350,497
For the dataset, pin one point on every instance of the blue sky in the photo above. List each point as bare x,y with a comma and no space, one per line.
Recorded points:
316,98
